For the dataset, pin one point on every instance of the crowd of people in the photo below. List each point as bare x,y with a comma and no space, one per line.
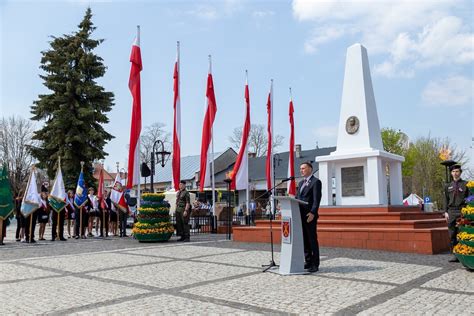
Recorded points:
93,219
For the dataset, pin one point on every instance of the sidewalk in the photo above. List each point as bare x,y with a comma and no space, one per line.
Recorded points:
213,276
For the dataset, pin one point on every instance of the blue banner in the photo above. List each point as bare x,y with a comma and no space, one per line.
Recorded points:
81,192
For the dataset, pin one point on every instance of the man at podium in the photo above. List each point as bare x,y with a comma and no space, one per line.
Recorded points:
309,190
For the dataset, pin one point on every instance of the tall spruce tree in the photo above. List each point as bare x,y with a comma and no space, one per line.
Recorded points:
76,109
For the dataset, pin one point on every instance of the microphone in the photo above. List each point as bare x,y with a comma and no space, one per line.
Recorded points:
287,179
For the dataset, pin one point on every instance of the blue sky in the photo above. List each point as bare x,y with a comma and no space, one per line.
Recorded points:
421,55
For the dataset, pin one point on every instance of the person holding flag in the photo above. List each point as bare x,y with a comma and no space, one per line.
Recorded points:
80,201
6,203
118,200
30,203
57,201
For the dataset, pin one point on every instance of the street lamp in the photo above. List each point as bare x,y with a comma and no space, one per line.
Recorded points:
228,180
160,154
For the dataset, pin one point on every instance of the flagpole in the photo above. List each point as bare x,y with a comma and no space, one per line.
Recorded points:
212,154
138,144
247,204
1,231
80,208
31,214
272,165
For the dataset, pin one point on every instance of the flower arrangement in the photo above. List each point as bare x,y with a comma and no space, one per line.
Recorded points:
465,236
468,210
464,250
153,219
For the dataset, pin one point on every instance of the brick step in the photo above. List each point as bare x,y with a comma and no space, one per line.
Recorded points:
380,216
370,208
437,221
421,223
413,240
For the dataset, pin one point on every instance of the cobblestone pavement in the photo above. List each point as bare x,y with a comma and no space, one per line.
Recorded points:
211,275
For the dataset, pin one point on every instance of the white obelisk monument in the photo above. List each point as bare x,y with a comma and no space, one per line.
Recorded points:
359,163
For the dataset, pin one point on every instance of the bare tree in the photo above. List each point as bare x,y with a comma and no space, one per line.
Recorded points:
15,140
151,134
258,139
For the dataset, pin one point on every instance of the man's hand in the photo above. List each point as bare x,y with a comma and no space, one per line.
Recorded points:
185,213
310,217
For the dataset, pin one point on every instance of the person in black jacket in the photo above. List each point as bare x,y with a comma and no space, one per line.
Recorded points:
309,190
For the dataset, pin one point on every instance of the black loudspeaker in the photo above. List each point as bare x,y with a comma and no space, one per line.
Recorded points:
146,172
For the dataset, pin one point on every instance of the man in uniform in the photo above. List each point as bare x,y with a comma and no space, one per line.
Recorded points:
456,193
183,212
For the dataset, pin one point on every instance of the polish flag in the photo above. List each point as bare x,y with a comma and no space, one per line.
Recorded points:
240,177
116,196
269,162
211,109
136,125
176,161
291,160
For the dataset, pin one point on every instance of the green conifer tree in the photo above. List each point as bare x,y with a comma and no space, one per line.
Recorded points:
75,111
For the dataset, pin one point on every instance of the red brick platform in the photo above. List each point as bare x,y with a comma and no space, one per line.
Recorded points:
392,228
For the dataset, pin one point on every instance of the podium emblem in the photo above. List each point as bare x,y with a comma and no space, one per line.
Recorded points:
286,230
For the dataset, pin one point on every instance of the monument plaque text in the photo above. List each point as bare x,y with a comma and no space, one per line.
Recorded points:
352,181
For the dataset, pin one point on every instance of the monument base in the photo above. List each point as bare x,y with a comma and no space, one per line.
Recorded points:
390,228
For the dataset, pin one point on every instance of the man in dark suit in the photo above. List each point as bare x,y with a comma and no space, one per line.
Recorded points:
309,190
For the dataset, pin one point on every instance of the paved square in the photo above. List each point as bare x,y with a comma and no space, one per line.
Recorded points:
166,304
213,276
389,272
457,280
56,294
423,302
173,274
292,294
11,272
92,262
180,251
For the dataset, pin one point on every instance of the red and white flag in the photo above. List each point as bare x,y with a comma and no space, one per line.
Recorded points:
240,178
116,196
136,125
291,160
269,162
176,161
206,155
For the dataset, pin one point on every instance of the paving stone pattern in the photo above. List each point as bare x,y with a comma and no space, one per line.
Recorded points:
211,275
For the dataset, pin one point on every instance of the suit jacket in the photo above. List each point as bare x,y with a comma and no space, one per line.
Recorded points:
311,194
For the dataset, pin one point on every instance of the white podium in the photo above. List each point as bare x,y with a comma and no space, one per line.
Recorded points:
292,248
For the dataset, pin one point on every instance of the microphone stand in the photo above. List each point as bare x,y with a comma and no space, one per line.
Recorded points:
272,262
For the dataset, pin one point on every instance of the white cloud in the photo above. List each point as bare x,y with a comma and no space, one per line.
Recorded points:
449,92
263,14
326,135
216,9
320,36
411,34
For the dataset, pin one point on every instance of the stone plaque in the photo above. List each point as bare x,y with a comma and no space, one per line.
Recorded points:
352,181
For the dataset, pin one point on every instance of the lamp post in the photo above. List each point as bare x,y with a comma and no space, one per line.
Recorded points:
276,162
228,180
163,153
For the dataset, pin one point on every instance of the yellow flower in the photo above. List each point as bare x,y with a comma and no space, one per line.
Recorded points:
468,210
463,250
470,184
465,236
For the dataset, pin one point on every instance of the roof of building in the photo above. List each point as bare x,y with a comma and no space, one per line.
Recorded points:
257,165
189,166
